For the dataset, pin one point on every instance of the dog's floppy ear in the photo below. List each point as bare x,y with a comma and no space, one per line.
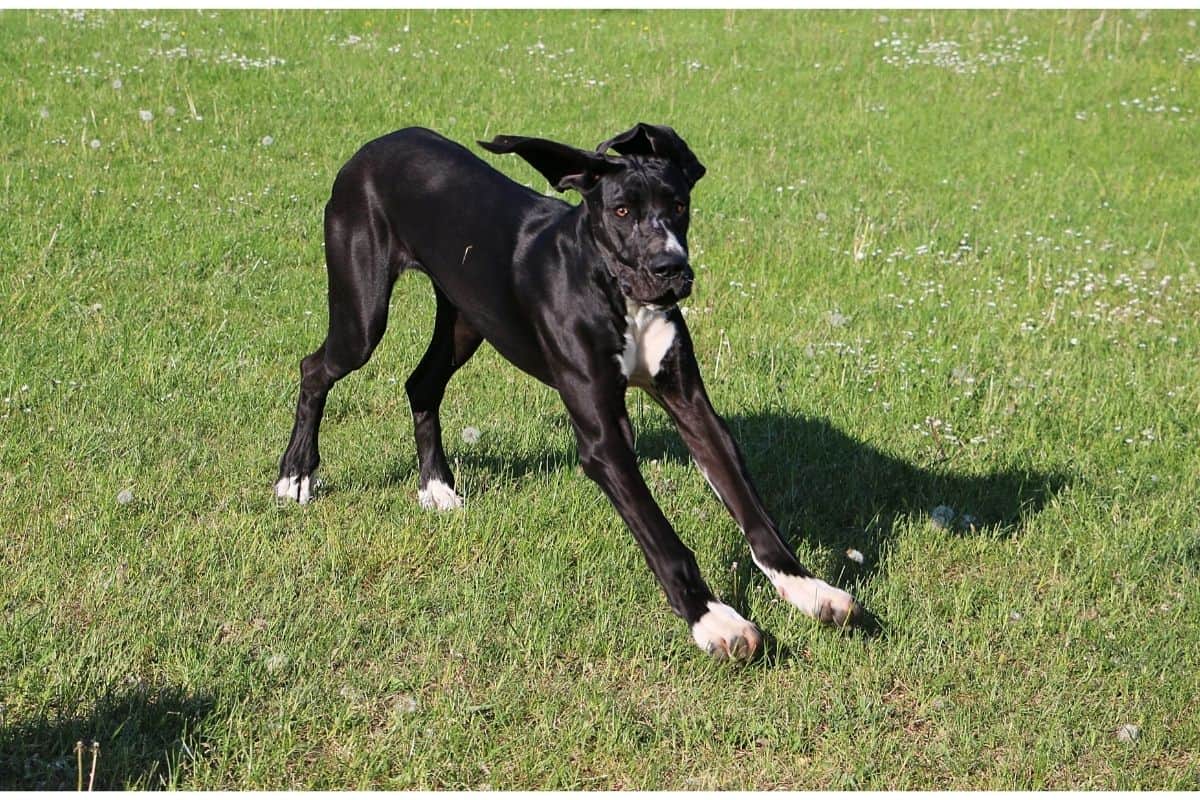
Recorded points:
564,166
645,139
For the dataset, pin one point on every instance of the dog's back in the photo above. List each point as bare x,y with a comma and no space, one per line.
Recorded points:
424,210
415,200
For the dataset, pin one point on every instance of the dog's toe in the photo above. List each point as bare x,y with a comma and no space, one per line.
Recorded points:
816,598
840,614
298,488
723,633
440,496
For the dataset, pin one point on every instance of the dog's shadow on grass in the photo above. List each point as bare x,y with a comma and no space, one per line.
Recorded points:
822,486
143,736
825,487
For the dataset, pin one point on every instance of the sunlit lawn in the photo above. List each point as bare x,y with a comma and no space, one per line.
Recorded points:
945,262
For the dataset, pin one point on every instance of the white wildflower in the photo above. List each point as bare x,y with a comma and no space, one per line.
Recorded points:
470,435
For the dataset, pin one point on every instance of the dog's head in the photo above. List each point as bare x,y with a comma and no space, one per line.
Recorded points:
638,202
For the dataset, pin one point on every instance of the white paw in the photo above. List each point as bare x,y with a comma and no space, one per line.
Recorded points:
440,496
723,633
296,487
817,599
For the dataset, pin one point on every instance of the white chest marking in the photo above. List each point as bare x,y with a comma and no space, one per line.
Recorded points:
649,334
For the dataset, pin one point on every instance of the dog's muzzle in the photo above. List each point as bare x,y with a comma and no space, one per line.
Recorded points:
675,275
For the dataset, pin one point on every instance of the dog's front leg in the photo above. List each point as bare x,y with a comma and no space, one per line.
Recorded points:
679,388
603,433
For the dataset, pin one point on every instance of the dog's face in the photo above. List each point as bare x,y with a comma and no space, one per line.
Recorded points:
640,216
638,203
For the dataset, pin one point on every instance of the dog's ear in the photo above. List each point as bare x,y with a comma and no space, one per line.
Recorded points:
564,166
645,139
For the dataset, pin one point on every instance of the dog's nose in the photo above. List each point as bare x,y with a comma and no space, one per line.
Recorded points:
668,265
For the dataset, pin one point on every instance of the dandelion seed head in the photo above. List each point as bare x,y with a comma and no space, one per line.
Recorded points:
470,435
1128,732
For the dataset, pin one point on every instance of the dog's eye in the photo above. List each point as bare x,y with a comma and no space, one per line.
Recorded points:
680,208
621,211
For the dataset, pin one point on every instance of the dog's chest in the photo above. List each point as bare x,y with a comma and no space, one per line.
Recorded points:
649,334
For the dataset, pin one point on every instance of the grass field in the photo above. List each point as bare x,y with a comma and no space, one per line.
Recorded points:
943,260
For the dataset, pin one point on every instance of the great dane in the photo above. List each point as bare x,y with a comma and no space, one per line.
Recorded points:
583,298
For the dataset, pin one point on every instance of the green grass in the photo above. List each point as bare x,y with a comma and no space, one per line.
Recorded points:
943,259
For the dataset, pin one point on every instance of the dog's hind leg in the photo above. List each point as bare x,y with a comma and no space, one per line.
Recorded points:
454,341
362,267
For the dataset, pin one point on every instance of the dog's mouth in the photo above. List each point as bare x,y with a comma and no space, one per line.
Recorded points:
673,296
645,288
664,300
678,289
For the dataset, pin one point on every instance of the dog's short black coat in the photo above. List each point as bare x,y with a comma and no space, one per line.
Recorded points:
583,298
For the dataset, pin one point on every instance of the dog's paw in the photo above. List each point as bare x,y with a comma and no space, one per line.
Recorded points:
299,488
816,598
723,633
440,496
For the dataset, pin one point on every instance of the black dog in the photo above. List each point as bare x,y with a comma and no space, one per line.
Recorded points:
583,298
